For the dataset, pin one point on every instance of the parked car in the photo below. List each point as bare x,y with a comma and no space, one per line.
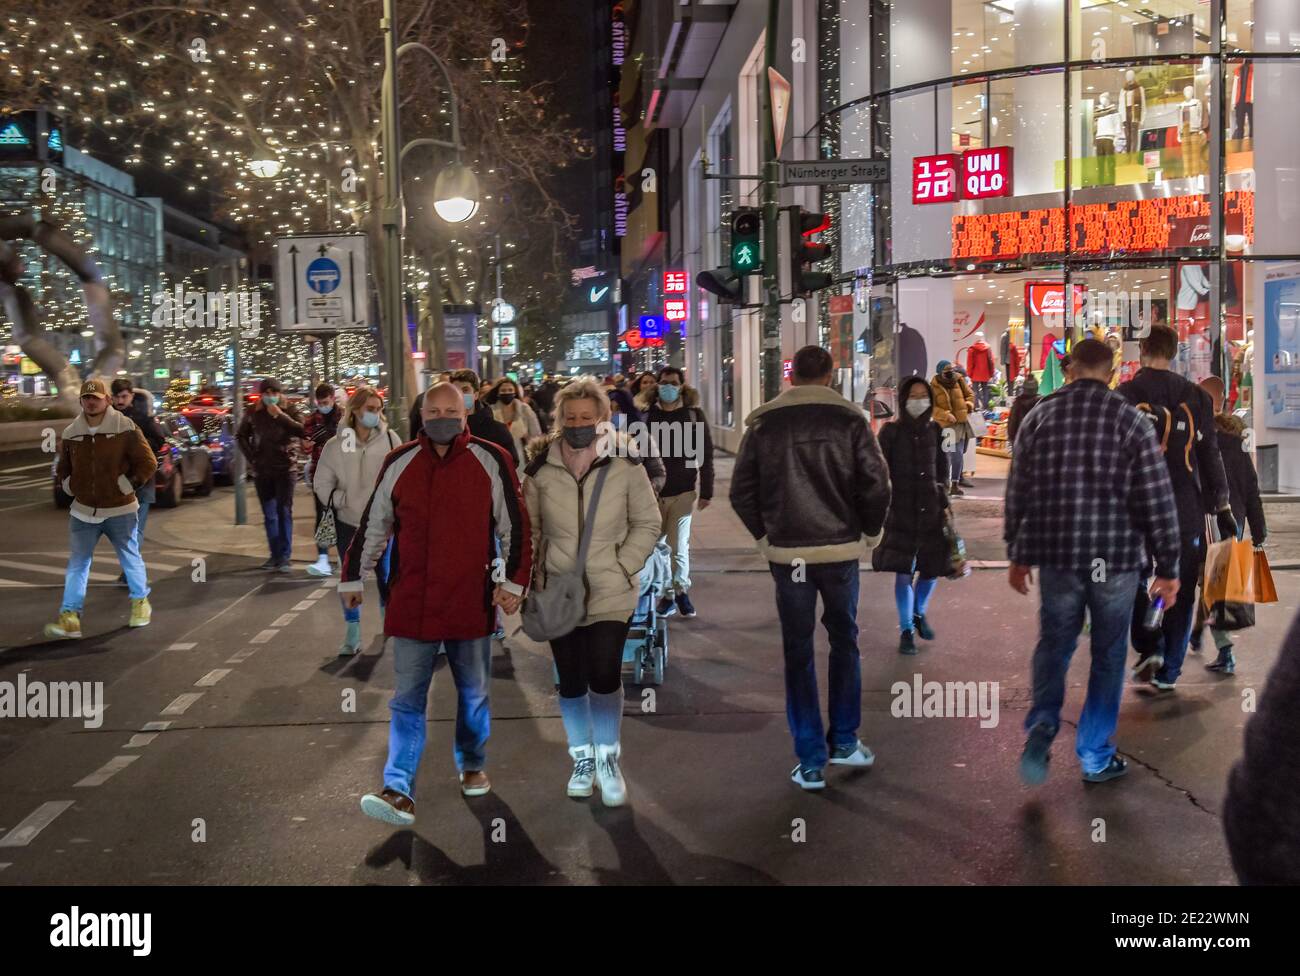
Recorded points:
184,463
216,428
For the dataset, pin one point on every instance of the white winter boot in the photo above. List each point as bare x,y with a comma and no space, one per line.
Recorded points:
613,790
584,770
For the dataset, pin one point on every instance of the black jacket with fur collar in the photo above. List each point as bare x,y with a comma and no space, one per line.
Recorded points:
686,451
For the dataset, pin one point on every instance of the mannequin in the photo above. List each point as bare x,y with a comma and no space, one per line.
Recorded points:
1133,100
1191,132
980,368
1243,104
1106,130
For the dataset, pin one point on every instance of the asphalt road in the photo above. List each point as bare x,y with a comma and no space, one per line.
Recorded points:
228,753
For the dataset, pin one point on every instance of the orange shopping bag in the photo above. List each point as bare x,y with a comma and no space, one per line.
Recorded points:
1214,582
1265,591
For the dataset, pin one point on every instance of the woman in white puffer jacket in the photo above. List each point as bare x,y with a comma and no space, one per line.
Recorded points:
345,477
558,486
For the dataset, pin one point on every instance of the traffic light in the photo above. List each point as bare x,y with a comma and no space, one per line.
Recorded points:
746,241
804,252
723,282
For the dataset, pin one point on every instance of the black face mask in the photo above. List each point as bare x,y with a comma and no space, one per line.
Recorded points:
579,437
443,430
506,398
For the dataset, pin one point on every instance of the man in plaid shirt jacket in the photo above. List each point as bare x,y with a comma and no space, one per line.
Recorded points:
1088,499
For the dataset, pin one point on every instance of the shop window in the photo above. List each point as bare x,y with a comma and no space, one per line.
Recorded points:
1263,25
1103,31
1262,158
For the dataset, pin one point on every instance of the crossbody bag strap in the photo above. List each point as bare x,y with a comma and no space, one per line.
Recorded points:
590,523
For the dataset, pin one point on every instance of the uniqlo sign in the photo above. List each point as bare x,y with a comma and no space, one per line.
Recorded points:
986,173
675,282
675,309
934,179
975,175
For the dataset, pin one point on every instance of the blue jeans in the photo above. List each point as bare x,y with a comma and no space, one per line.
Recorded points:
1066,593
414,662
83,536
276,496
796,605
145,495
912,599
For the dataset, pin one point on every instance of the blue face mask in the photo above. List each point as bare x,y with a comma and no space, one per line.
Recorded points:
324,407
370,420
270,399
669,393
469,402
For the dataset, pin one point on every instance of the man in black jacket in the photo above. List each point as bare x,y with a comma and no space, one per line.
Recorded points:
811,485
681,431
480,421
135,405
1183,416
268,436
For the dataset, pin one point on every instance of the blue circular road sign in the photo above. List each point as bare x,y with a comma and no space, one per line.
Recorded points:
323,276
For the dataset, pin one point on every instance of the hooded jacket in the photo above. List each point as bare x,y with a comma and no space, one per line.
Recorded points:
810,482
448,517
1200,485
1243,482
671,434
102,470
979,362
952,403
319,428
1026,400
268,442
624,534
349,476
918,471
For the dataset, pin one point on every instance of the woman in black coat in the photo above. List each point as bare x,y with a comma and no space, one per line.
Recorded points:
914,546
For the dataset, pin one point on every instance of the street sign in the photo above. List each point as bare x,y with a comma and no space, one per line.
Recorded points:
161,374
321,282
823,172
505,340
779,92
651,326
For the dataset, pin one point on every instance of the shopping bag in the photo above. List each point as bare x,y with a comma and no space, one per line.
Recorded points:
978,425
957,565
1240,586
1214,581
1226,615
327,532
1265,591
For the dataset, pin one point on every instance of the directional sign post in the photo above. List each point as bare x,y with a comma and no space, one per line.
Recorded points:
321,281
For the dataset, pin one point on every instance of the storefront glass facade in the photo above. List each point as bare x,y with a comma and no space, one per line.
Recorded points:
1140,157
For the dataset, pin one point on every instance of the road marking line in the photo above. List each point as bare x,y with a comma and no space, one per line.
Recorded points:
155,726
36,568
107,771
284,620
183,647
317,594
181,702
304,605
30,467
234,604
6,864
20,485
14,508
149,563
212,677
34,823
28,585
140,740
264,637
239,657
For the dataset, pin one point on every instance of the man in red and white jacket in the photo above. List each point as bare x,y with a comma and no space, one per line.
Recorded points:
461,546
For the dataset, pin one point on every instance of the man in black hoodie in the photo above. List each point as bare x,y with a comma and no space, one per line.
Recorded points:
1183,417
135,404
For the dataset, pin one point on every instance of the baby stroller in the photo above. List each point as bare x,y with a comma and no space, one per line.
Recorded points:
646,646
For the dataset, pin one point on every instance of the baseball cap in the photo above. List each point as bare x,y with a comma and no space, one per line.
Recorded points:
94,388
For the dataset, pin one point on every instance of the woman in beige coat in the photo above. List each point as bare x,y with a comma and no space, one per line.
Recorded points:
558,485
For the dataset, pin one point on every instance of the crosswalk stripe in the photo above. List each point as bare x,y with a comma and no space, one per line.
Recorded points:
239,657
264,637
34,823
29,467
34,568
149,563
182,647
304,605
212,677
284,620
107,771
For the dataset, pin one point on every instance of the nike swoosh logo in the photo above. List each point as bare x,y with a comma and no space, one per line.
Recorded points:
598,295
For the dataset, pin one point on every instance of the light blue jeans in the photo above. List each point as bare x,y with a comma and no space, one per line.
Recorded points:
414,662
1066,593
912,598
121,532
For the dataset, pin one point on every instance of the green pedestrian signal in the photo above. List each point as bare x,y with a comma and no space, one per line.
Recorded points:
746,242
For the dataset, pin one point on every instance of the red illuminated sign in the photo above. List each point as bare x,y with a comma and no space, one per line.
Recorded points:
675,309
1046,299
633,338
934,179
675,282
986,173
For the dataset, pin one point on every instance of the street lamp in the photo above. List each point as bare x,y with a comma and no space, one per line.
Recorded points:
455,194
265,169
455,200
483,355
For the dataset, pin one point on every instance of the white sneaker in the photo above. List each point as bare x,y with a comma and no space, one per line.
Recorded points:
855,755
584,770
613,790
322,566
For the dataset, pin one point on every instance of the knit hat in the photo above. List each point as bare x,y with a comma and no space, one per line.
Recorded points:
943,364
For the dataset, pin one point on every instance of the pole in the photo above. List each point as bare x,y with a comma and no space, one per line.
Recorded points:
392,310
771,353
236,418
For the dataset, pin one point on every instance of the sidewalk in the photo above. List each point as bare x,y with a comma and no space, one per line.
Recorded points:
208,525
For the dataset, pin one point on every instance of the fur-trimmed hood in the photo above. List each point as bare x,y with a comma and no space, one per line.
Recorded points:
1228,424
113,422
798,396
644,401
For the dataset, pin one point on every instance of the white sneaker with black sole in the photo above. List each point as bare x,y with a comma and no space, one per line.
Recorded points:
855,755
807,779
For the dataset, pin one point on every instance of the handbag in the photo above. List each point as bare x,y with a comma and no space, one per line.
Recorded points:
958,568
559,607
327,533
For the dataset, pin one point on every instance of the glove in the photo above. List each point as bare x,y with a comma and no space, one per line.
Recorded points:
1227,524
